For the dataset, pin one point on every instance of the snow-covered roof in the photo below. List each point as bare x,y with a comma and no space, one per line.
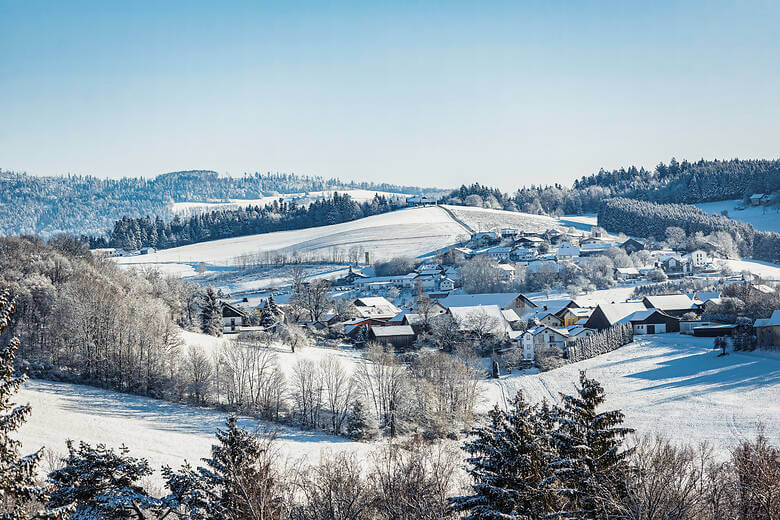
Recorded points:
510,315
638,316
553,306
764,289
757,196
392,330
576,331
505,267
568,251
467,314
614,312
773,321
670,301
628,270
502,300
376,307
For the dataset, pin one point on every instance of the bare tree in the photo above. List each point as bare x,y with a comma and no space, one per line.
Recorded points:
339,390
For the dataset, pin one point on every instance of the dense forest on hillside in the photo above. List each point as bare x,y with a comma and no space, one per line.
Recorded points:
89,205
677,182
648,219
134,233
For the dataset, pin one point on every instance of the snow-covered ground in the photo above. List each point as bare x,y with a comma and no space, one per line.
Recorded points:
760,217
407,232
765,270
671,384
163,432
481,219
188,208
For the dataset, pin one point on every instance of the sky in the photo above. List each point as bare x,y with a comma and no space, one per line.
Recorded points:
420,93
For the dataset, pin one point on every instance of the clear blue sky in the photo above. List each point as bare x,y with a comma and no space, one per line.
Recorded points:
427,93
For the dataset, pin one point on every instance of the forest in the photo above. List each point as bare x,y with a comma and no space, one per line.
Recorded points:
134,233
83,204
676,182
648,219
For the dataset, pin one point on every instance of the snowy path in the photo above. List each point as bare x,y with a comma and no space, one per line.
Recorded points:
675,385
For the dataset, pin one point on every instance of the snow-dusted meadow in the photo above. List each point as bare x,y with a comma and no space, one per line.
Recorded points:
481,219
672,384
761,218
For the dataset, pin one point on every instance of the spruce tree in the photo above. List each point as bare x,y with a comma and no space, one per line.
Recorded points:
211,314
591,465
18,489
509,462
357,421
271,314
102,484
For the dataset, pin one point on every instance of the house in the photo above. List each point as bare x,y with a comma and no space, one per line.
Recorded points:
518,302
484,238
446,284
758,198
567,253
480,319
506,272
395,335
576,333
699,258
675,265
420,200
673,304
715,330
632,245
595,248
375,307
627,273
511,317
687,326
350,277
509,233
523,254
768,330
529,241
497,252
652,321
606,315
147,250
571,315
544,336
233,319
551,320
378,283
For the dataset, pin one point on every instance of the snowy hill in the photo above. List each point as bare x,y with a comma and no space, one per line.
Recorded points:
761,218
672,384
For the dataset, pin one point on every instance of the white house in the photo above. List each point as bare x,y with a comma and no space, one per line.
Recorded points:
699,258
446,284
233,319
505,272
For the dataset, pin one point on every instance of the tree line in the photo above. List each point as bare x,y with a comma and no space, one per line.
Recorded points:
135,233
88,205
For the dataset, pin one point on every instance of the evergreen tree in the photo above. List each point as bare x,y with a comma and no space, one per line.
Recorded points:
18,489
271,315
102,484
509,462
239,481
357,421
591,465
211,314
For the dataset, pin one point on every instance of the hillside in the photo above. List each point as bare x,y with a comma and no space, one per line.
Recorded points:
675,385
408,232
760,217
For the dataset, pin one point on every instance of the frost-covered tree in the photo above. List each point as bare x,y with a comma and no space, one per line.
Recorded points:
19,492
591,463
211,314
102,484
510,463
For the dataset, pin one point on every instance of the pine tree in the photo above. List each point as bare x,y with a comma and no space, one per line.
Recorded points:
357,422
271,314
18,489
509,462
591,466
102,484
210,314
239,481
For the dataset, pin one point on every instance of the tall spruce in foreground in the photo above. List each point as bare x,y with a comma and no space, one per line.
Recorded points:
591,466
19,492
509,462
211,314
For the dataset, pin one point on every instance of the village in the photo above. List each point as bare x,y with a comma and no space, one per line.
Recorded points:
435,298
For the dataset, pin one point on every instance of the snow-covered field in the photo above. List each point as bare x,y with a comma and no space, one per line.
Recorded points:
407,232
481,219
672,384
761,218
189,208
163,432
765,270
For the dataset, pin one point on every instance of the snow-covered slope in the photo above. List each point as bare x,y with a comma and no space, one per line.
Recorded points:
672,384
481,219
761,218
407,232
163,432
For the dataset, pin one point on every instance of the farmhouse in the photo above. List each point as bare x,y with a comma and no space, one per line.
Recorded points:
627,273
233,319
632,245
395,335
673,304
758,198
768,330
376,307
652,321
480,319
515,301
608,314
